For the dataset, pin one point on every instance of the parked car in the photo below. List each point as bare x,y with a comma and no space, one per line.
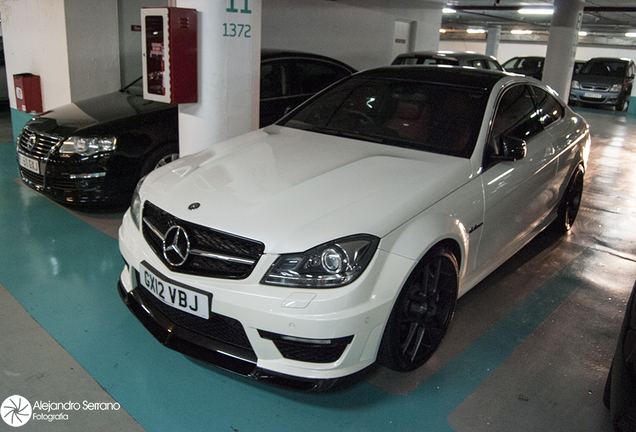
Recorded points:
620,388
448,58
526,65
94,151
604,81
343,234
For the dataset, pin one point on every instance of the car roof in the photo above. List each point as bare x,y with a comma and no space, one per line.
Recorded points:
277,54
458,76
612,59
447,54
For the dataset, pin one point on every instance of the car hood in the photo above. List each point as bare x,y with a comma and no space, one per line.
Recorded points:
71,118
293,189
598,79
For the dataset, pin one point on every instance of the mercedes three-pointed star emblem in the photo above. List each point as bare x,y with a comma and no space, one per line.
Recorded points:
176,246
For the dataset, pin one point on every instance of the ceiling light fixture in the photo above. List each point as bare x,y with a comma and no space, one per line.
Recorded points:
442,30
630,34
475,31
521,32
449,11
582,33
534,11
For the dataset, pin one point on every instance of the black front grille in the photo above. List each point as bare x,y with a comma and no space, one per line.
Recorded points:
37,144
31,177
217,327
203,239
308,350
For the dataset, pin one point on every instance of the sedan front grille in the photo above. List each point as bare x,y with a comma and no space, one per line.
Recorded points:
595,87
37,144
210,253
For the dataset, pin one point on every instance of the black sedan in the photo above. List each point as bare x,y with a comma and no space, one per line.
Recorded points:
94,151
620,388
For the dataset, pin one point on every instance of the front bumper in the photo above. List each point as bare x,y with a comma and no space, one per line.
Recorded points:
89,180
255,330
594,97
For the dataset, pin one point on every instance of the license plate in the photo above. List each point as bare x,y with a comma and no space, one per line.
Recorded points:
29,163
593,95
174,294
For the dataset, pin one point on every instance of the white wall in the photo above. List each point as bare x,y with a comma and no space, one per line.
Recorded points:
33,31
360,37
37,35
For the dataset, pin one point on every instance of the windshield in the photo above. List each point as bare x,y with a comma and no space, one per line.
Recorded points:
423,60
438,118
604,68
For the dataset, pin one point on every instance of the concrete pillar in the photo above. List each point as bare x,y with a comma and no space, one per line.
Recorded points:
229,46
562,43
492,40
429,20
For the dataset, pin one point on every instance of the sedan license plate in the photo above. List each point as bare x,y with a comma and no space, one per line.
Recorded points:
29,163
593,95
174,294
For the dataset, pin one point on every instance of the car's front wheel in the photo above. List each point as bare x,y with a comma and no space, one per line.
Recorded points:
159,158
422,312
570,203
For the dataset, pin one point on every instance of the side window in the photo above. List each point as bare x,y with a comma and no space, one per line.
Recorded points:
493,65
480,64
516,115
314,75
273,80
549,109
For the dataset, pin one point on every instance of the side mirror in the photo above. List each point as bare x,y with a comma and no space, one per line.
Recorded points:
511,149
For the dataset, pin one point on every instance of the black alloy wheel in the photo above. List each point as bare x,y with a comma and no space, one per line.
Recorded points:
570,203
422,313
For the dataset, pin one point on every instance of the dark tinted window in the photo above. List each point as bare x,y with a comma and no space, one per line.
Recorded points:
549,109
494,65
480,64
605,68
516,115
431,117
421,60
315,75
273,80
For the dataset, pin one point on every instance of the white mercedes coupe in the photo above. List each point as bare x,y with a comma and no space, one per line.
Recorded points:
302,253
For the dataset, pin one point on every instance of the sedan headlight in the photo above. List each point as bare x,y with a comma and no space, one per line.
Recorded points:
88,146
329,265
616,88
575,84
135,205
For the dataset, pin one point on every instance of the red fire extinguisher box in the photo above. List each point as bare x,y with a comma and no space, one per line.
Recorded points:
28,94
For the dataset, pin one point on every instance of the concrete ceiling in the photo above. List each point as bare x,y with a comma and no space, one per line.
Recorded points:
605,21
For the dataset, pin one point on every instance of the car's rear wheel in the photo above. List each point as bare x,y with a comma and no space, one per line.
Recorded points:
570,203
422,312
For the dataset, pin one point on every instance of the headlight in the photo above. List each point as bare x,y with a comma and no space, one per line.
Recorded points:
575,84
329,265
135,205
616,88
88,146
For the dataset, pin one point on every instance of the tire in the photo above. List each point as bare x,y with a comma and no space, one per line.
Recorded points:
570,203
621,105
159,158
607,391
422,312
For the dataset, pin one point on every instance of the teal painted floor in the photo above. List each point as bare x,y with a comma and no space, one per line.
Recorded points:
529,348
